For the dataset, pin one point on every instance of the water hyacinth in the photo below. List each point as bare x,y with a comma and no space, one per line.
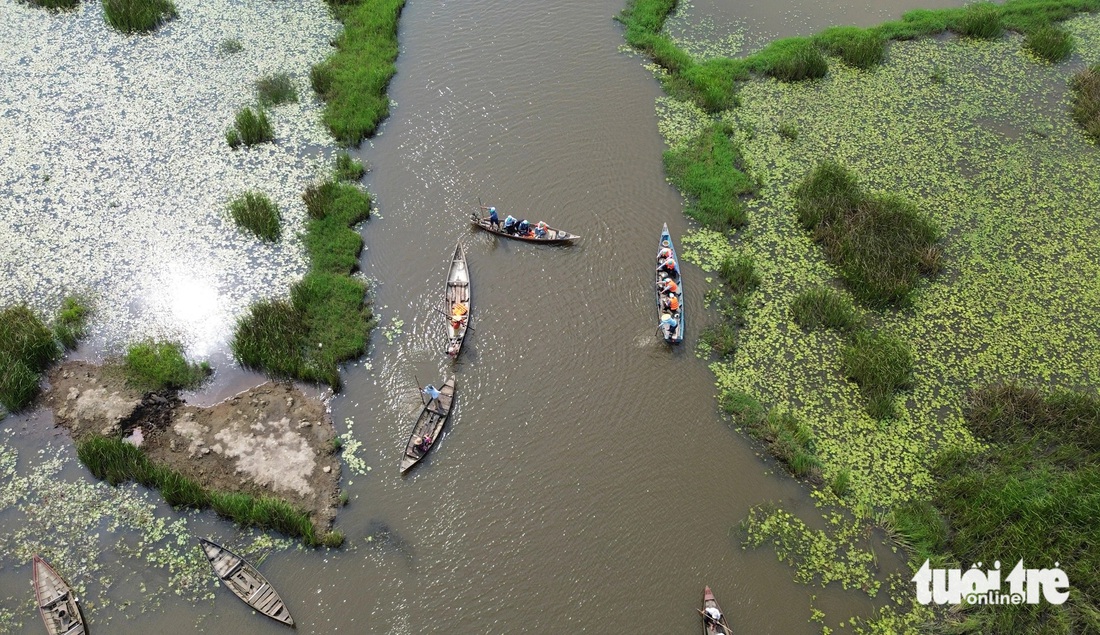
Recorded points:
114,172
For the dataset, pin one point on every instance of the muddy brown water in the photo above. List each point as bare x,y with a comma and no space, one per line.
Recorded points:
585,482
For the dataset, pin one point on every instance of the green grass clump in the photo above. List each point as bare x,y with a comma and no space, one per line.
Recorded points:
859,48
706,169
822,306
841,483
743,408
254,212
791,441
116,461
55,5
1050,42
153,365
881,364
138,16
353,80
981,20
881,244
739,273
334,208
333,539
272,90
722,338
1033,495
347,168
71,322
27,347
251,127
794,59
1086,100
230,46
787,130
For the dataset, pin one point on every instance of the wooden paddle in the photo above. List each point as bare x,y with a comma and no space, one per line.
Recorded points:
721,623
467,316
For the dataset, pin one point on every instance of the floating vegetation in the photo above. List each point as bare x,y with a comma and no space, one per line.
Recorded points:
1086,100
393,330
1050,42
256,213
138,16
27,347
276,89
250,128
153,365
353,80
351,445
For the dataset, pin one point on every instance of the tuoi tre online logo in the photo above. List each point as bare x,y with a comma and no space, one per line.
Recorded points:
952,586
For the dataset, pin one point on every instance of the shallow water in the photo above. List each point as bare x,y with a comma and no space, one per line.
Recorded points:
585,481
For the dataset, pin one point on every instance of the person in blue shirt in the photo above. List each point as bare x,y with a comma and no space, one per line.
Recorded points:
669,325
510,224
432,393
524,227
494,220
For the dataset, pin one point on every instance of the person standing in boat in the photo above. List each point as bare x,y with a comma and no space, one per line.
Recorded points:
433,395
669,324
494,220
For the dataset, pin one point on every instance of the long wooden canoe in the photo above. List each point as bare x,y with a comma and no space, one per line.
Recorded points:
429,424
678,336
246,582
457,291
56,603
553,236
709,626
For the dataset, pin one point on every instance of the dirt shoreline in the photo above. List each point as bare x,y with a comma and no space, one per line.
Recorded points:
270,440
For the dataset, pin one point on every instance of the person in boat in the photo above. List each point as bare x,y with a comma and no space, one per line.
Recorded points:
541,229
664,254
494,220
669,265
714,616
671,303
669,324
424,443
523,228
510,224
668,285
433,394
459,313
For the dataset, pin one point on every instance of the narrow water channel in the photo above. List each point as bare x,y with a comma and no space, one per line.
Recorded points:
586,481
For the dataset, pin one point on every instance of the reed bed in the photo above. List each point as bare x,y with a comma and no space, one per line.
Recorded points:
250,127
1050,42
706,169
27,347
1086,100
823,306
276,89
157,365
138,16
256,213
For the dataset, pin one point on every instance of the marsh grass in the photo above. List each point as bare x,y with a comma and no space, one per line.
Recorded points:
347,168
276,89
722,338
155,365
54,5
250,128
881,364
353,80
230,46
823,306
841,483
791,441
794,59
859,48
1086,100
980,20
707,169
1049,42
71,322
788,130
333,539
27,347
254,212
326,320
881,244
138,16
1032,495
739,273
116,462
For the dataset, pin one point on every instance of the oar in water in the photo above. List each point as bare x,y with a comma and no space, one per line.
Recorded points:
421,389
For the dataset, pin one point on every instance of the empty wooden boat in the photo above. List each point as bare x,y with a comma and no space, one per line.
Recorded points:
456,302
428,426
711,626
667,316
549,235
56,603
246,582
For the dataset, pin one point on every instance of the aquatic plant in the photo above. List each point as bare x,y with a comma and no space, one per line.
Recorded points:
71,322
138,16
275,89
706,168
881,244
787,130
743,408
229,46
881,363
54,5
334,208
251,127
333,539
254,212
980,20
1050,42
794,59
824,306
841,482
1031,495
27,347
1086,100
346,168
353,80
738,271
721,337
157,365
859,48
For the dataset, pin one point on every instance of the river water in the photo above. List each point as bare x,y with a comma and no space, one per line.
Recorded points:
586,481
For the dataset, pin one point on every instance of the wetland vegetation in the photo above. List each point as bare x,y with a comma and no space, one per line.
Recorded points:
256,213
250,127
940,121
28,347
159,365
138,16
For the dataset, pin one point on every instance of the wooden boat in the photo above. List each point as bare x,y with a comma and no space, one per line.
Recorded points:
56,603
429,424
457,292
246,582
709,626
553,236
666,241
